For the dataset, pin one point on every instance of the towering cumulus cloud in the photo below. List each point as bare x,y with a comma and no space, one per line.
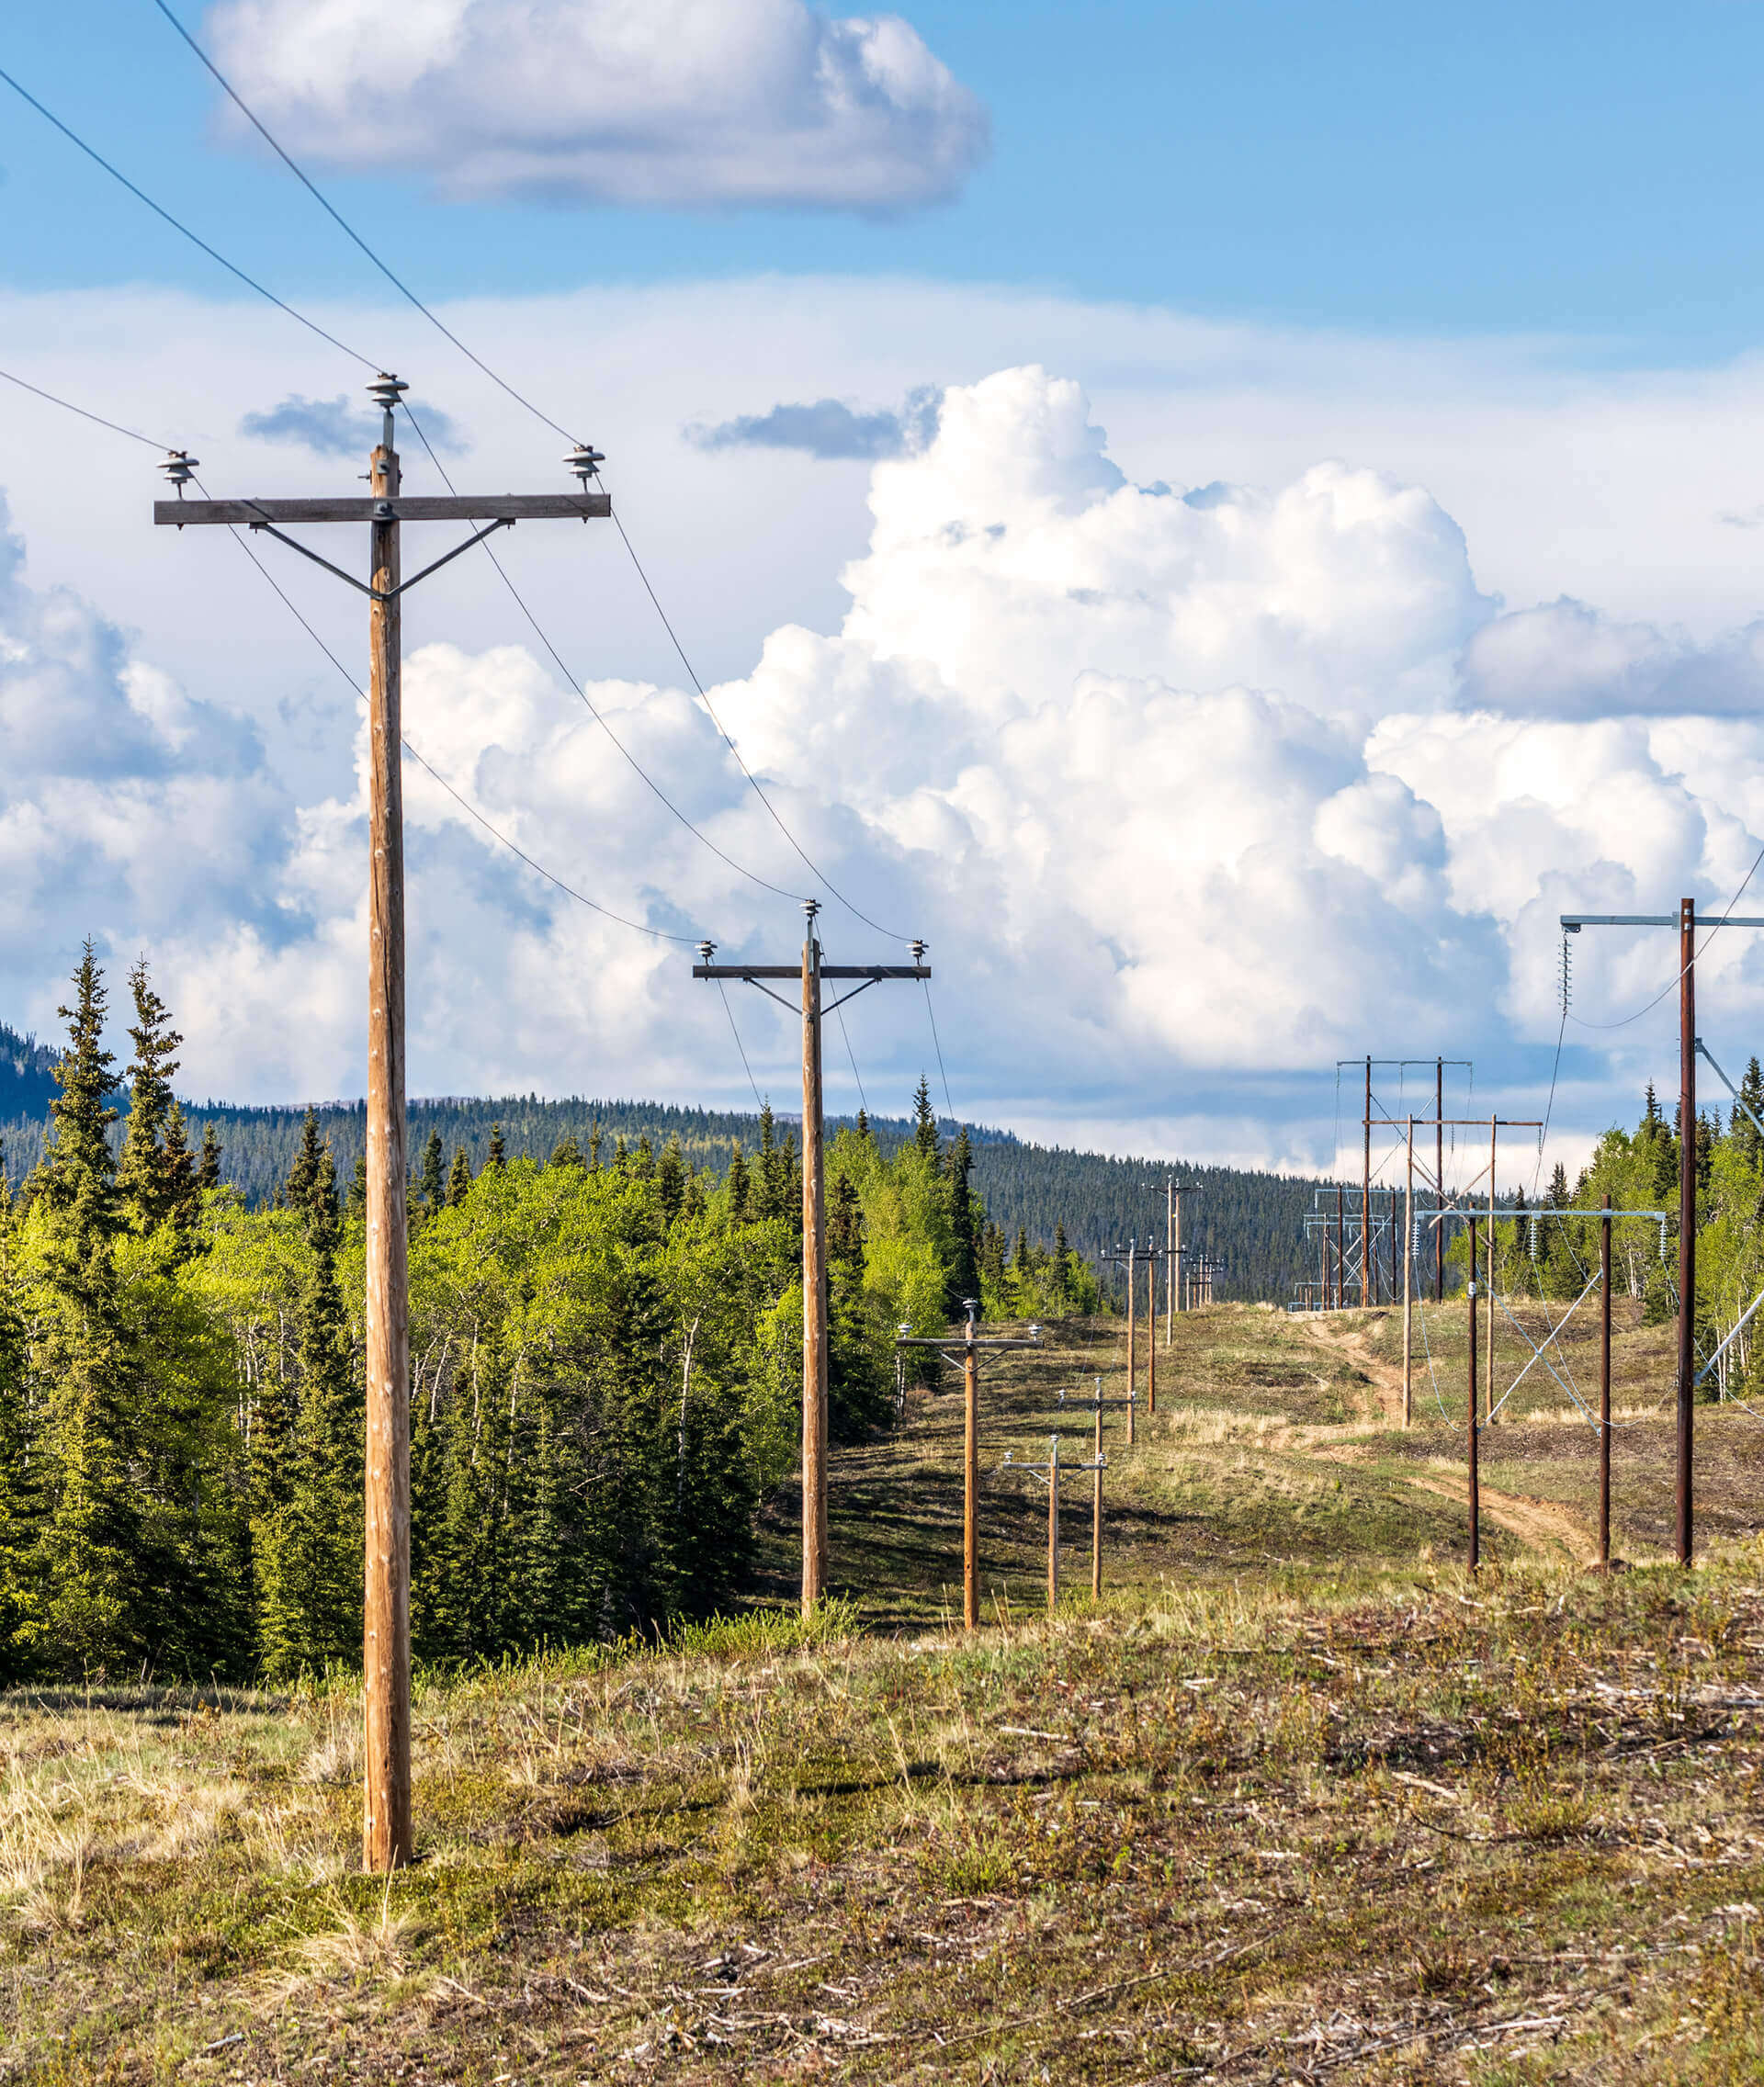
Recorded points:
1186,789
669,102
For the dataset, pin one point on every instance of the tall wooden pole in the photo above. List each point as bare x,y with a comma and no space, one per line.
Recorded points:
1490,1258
1366,1201
1687,1210
386,1838
1475,1490
1151,1329
1604,1388
971,1478
814,1283
1439,1181
1408,1286
1053,1525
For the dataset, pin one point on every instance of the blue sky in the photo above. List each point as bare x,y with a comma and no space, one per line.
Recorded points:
1311,465
1571,170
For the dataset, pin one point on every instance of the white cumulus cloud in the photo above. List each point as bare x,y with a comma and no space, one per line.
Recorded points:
651,102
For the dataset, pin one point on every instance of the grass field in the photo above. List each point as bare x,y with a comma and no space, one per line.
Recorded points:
1296,1802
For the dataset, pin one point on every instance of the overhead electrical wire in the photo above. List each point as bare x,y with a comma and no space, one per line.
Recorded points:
581,690
1679,975
639,927
177,225
736,1034
862,1099
938,1047
348,229
405,291
97,420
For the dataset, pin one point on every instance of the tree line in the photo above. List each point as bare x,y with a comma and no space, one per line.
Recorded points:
606,1368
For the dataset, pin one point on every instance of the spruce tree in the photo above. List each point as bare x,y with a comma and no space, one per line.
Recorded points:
768,1202
739,1187
433,1185
78,1169
1748,1142
182,1190
209,1173
594,1147
567,1153
964,1277
357,1205
497,1157
459,1179
671,1179
141,1176
924,1120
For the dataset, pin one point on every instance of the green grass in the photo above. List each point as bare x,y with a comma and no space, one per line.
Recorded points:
1296,1801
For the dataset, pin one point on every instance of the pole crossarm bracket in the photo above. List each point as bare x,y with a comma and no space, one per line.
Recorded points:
361,586
481,507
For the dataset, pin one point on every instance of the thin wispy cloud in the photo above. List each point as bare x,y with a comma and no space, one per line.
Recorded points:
830,430
339,426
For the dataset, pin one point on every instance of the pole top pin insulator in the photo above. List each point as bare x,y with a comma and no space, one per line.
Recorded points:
385,391
705,952
179,466
585,460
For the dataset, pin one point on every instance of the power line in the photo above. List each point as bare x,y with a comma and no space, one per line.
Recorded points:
404,291
736,1034
938,1047
862,1102
98,420
640,927
1679,975
581,690
177,225
344,225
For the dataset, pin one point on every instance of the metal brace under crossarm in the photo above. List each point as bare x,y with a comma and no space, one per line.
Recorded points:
361,586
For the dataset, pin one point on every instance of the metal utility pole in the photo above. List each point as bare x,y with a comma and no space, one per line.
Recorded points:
1365,1202
968,1355
387,1834
1408,1286
1438,1178
810,976
1685,921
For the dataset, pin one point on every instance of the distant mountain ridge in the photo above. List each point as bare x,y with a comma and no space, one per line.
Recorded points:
26,1074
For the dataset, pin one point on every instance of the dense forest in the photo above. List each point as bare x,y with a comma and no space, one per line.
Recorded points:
1253,1222
606,1348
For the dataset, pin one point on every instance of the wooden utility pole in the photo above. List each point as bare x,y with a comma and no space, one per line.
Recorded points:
968,1354
1476,1493
1409,1285
387,1829
1687,1213
1490,1258
1051,1468
1604,1388
808,976
1128,1256
1151,1330
1097,1465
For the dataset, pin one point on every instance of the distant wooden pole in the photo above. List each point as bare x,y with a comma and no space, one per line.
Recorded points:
1173,1241
1408,1284
1151,1329
971,1479
1133,1360
814,1283
1604,1388
1053,1525
1475,1494
386,1842
1366,1201
1096,1504
1489,1257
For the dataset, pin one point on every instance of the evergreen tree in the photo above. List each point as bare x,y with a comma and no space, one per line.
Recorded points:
1749,1141
358,1189
965,1263
567,1153
78,1169
433,1184
303,1176
141,1176
739,1189
459,1179
1559,1197
924,1120
309,1553
182,1187
209,1173
594,1147
496,1158
671,1179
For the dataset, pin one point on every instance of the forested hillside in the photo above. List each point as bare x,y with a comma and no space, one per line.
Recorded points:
26,1079
1253,1222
